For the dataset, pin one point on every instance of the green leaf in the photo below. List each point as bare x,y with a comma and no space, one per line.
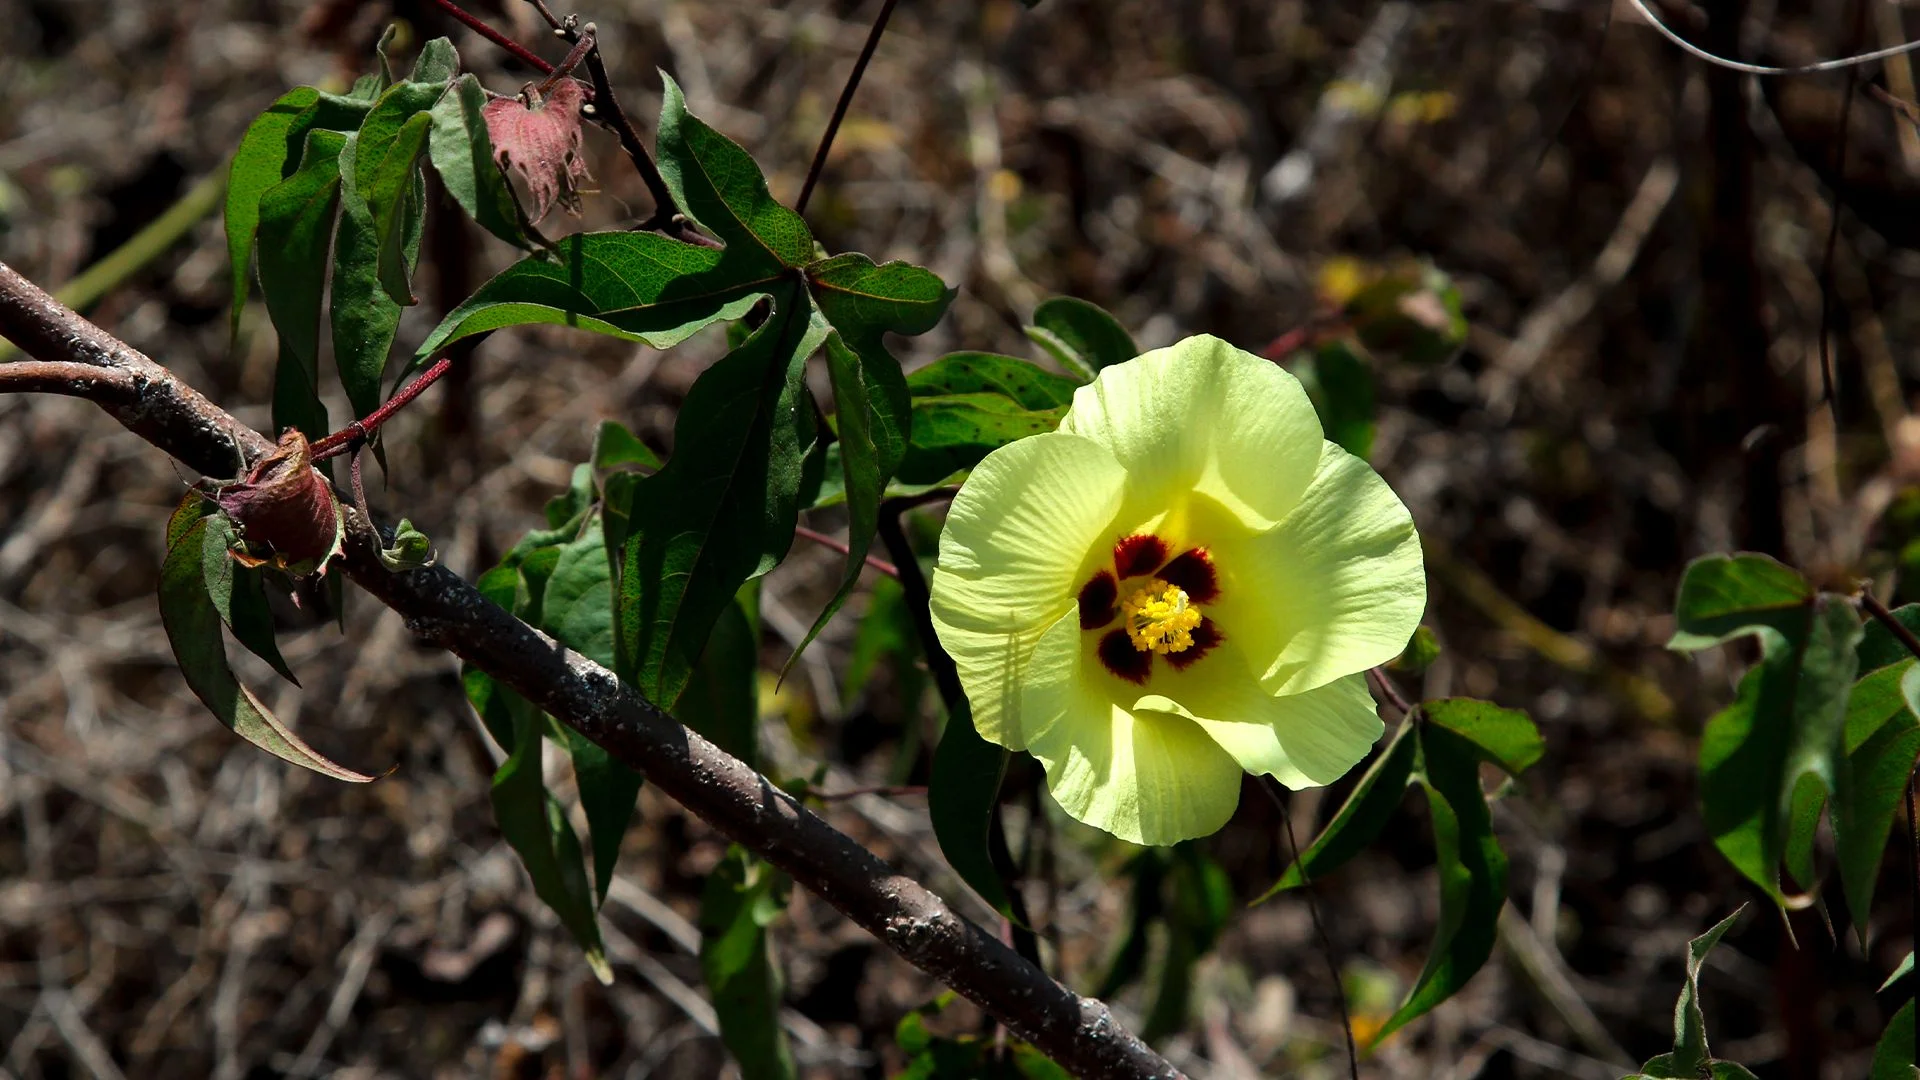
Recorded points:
535,825
1471,867
1082,336
631,285
195,561
1788,721
437,62
1503,737
1199,905
1901,972
1339,382
364,317
954,431
1724,596
614,447
411,549
1361,818
577,609
742,896
961,793
462,153
1414,311
1421,651
722,510
258,165
1877,766
719,186
1893,1058
1879,647
1025,384
386,160
1690,1056
296,227
885,630
722,698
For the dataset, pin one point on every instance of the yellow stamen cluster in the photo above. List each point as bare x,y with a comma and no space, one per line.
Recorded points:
1159,618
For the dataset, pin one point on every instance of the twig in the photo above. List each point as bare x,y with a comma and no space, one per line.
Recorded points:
840,546
1833,220
583,44
479,26
1383,683
741,804
887,790
840,107
1319,928
341,441
61,377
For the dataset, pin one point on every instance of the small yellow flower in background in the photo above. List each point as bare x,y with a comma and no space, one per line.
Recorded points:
1185,582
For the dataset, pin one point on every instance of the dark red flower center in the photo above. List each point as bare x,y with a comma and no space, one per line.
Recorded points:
1156,616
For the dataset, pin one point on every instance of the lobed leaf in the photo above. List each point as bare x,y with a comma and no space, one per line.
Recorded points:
191,618
719,186
722,510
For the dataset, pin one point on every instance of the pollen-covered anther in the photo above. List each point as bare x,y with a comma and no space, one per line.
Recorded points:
1160,618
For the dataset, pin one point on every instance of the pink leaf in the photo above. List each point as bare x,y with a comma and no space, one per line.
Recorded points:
542,144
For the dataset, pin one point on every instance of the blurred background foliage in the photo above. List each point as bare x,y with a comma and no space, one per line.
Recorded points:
1621,250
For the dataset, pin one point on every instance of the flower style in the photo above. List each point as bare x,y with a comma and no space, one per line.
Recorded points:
1184,582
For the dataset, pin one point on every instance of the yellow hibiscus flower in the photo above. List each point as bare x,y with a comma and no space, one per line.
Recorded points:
1184,582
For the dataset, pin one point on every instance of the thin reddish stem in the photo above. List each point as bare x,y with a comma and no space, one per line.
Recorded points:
840,546
340,441
474,23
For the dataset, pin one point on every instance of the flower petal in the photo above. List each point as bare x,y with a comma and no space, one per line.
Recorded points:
1337,588
1146,777
1204,416
1301,740
1033,517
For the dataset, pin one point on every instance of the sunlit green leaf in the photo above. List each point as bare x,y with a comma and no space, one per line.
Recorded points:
954,431
1503,737
258,164
1723,596
1690,1057
719,186
386,163
1025,384
364,317
614,447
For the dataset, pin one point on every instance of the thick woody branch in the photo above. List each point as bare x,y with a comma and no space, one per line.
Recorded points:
1077,1032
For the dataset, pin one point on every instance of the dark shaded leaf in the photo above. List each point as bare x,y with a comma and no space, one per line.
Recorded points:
192,622
722,510
463,154
742,898
719,186
540,140
1878,647
1471,867
1893,1057
721,700
1082,336
535,825
1340,384
1361,818
961,793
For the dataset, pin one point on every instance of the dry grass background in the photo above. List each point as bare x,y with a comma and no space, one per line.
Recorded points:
175,904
